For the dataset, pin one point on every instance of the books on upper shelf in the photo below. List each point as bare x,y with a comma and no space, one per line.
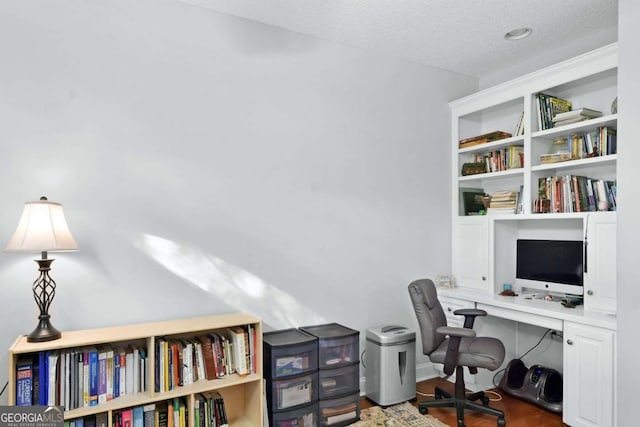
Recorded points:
597,142
483,139
547,107
511,157
575,116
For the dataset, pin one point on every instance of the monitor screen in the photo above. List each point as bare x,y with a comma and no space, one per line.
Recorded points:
550,262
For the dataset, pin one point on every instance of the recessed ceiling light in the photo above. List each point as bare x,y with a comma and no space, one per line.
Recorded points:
518,33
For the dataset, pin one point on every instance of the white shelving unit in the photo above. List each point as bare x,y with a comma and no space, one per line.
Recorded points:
483,247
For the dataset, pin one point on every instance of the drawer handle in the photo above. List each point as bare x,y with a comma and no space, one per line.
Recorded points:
484,278
449,309
570,342
589,292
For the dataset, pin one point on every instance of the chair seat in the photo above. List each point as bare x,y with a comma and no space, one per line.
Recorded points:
477,352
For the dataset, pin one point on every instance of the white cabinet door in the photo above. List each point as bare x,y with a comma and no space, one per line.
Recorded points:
471,252
600,275
588,365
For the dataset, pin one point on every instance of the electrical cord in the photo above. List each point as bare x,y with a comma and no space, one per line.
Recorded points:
548,331
4,388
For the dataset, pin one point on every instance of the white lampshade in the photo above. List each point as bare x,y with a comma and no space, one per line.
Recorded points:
42,228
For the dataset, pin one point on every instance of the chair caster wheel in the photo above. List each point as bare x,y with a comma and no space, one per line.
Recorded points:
501,422
423,411
438,396
484,400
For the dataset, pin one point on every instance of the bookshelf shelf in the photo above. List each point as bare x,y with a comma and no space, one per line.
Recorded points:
609,120
492,175
610,159
494,145
242,394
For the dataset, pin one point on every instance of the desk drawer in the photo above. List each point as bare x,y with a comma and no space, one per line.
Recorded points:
521,316
449,305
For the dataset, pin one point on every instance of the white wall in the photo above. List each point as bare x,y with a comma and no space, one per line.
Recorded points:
628,224
209,164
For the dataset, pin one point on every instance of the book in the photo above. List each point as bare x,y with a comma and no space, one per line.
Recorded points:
126,418
102,376
482,139
519,129
24,381
220,408
585,113
237,337
102,419
52,381
110,374
149,412
93,376
470,201
554,158
208,357
138,416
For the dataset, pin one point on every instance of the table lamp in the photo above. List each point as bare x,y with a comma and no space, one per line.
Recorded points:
42,228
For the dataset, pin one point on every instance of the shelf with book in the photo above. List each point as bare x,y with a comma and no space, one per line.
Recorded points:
242,392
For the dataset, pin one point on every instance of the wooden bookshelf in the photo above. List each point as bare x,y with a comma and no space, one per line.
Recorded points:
243,394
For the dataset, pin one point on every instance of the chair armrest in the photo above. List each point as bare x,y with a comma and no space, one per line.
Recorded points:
470,312
456,332
470,315
453,347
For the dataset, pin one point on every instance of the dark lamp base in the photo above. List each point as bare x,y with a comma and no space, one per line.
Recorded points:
44,331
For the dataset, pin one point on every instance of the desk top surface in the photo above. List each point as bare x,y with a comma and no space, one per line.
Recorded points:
537,307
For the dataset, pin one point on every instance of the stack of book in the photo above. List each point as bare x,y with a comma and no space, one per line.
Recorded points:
503,202
575,116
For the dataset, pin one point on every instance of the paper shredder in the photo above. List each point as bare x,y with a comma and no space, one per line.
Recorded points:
390,364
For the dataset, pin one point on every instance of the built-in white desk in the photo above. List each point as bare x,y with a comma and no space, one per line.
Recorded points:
546,314
588,347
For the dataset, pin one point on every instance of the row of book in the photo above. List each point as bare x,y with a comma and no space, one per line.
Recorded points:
572,193
208,411
82,377
511,157
600,142
547,107
205,357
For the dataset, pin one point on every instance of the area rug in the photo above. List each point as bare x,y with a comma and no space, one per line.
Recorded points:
401,415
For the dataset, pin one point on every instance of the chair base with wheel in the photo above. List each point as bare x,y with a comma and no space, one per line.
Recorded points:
461,401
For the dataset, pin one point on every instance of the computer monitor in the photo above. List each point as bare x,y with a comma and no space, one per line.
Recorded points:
550,265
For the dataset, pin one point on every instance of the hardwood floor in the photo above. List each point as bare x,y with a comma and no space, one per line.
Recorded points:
517,413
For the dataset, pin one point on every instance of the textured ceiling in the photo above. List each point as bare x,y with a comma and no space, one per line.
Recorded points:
465,36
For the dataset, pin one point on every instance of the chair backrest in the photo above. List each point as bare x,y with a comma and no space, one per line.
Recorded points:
429,313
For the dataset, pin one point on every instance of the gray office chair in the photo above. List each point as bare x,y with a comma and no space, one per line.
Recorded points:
455,348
